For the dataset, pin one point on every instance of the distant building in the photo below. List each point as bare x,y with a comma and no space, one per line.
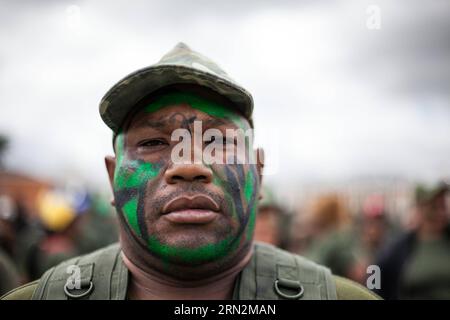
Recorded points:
23,190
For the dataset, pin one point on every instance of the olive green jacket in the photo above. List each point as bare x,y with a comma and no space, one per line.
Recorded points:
346,290
269,266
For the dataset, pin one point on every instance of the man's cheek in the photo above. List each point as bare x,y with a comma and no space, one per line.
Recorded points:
240,186
130,184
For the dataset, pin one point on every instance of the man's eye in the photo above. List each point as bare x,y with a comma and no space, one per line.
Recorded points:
152,143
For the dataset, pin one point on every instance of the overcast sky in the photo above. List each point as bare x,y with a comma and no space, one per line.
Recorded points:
334,100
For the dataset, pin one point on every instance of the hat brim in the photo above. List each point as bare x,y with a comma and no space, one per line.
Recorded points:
125,94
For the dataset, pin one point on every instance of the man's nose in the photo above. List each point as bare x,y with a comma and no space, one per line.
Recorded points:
188,173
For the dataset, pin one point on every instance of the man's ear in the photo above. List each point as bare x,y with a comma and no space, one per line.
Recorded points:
110,163
260,164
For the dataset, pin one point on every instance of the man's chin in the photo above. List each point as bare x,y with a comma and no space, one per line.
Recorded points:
191,249
191,240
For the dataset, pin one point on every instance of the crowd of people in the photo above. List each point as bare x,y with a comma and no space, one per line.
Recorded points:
413,260
63,226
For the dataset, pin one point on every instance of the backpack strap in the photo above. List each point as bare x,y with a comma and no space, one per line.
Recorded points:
100,275
271,274
274,274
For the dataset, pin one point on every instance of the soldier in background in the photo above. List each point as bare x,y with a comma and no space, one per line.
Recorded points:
330,236
372,232
273,221
417,266
9,275
68,225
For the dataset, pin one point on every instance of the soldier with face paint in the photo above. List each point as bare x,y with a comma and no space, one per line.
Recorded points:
188,220
186,181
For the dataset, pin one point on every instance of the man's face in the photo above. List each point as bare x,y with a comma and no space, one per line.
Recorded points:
434,214
187,213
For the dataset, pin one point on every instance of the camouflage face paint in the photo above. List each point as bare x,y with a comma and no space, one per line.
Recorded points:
130,178
239,183
241,198
209,107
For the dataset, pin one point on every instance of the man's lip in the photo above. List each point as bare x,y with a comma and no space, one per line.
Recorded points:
191,203
191,216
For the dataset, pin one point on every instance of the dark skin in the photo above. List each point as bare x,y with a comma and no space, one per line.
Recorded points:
146,139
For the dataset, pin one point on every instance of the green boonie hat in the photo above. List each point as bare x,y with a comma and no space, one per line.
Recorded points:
179,66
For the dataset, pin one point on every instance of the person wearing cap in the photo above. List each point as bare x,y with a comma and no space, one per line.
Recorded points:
417,265
272,221
372,231
330,235
186,223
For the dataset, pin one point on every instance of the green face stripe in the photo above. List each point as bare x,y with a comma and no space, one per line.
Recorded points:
120,149
131,173
200,254
130,210
135,173
251,222
209,107
248,187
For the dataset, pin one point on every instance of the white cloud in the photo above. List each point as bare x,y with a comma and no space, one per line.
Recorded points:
348,97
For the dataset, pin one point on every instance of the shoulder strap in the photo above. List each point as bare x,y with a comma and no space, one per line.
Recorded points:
100,275
276,274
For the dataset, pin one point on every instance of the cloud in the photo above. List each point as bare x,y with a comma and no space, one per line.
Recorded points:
343,101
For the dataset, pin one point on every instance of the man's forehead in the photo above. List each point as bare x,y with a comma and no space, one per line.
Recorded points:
196,97
184,105
176,115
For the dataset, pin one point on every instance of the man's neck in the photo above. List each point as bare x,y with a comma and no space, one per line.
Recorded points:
154,285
